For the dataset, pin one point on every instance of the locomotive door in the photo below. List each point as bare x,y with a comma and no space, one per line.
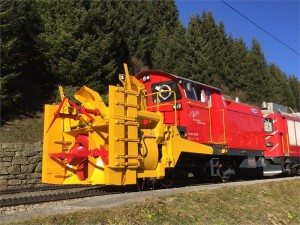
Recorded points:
217,118
276,136
198,123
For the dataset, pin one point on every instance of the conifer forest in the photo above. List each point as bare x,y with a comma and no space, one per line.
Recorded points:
85,42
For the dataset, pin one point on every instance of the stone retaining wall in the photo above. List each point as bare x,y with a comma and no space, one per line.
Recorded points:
20,165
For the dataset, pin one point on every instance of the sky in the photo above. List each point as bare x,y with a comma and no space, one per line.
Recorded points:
279,18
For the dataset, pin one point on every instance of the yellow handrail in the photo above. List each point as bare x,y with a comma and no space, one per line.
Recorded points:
158,105
282,141
210,128
224,127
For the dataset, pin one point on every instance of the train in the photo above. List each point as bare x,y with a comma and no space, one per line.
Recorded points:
159,126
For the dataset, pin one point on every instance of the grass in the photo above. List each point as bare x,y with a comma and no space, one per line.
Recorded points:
268,203
23,129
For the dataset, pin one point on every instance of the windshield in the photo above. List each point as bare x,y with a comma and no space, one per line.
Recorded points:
166,91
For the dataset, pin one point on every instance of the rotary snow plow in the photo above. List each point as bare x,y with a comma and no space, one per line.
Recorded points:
94,144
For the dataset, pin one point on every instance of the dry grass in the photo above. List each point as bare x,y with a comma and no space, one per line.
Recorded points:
269,203
23,130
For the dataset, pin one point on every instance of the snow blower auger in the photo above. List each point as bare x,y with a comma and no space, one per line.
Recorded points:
117,144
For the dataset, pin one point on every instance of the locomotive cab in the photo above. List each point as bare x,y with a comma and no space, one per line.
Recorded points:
282,139
183,102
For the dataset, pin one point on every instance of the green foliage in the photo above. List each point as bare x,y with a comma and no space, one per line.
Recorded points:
294,84
196,60
169,50
85,42
23,68
280,89
78,42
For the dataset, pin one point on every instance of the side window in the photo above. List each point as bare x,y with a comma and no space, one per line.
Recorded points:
268,124
208,96
200,93
189,90
194,92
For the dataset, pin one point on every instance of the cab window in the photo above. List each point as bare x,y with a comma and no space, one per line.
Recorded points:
165,91
194,91
268,124
208,95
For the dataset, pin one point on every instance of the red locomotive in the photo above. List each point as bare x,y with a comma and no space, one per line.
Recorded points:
243,137
282,134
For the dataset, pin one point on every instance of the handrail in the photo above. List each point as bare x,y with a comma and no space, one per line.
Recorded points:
198,105
224,127
158,105
210,128
283,144
288,143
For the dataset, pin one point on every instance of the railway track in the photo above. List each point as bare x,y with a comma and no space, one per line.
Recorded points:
66,192
47,194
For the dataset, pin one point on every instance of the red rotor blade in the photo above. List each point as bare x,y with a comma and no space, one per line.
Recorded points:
81,110
56,114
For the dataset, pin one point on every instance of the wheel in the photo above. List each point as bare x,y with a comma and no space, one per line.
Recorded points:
168,180
140,183
225,174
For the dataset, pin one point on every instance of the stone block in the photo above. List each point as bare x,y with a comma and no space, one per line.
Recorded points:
38,168
35,159
14,169
21,176
6,159
3,168
36,175
10,177
20,160
7,146
29,147
4,165
3,184
29,153
24,169
37,145
33,181
7,154
31,168
3,177
19,147
14,182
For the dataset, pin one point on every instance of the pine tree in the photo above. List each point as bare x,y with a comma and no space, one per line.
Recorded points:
196,60
80,42
295,88
215,37
23,68
169,52
142,23
235,68
255,79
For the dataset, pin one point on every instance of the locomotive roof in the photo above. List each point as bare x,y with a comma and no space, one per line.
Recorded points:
159,72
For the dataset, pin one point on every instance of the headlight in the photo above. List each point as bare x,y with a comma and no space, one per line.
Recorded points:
178,106
269,144
146,78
